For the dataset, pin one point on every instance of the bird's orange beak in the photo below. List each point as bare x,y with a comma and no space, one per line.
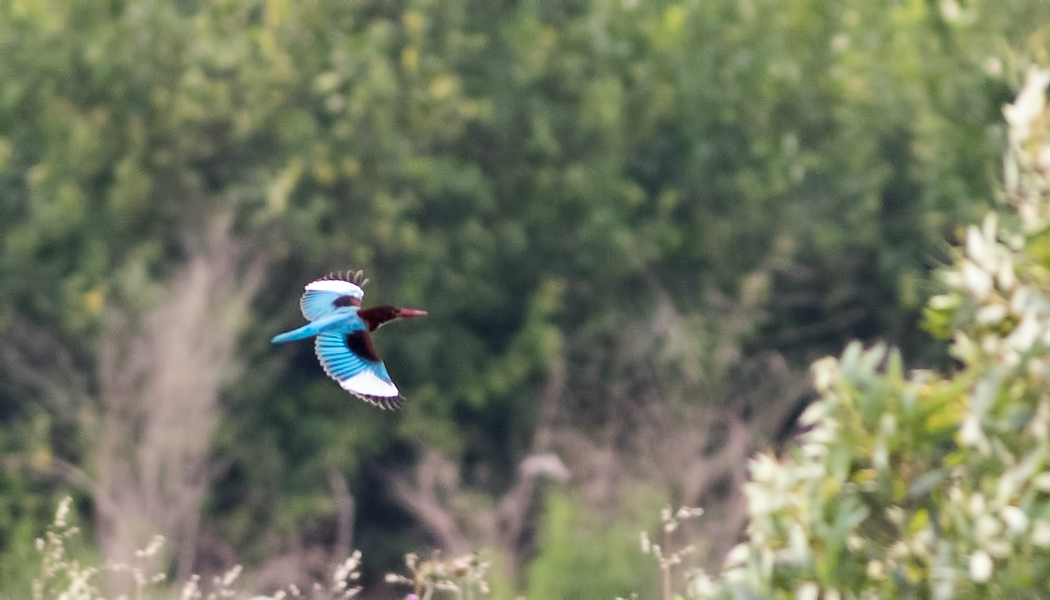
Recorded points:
404,313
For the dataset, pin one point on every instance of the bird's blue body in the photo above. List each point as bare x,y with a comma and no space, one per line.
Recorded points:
343,322
343,344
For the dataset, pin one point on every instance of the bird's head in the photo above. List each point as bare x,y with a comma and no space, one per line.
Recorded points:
378,315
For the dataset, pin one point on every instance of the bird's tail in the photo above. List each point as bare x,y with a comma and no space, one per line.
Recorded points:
308,330
313,328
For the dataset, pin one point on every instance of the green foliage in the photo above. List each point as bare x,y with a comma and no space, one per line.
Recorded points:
919,485
577,540
19,556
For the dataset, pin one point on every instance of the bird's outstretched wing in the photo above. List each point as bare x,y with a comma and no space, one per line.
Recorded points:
350,359
335,293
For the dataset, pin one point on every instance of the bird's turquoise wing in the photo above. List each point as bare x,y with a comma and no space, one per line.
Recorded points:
327,297
350,359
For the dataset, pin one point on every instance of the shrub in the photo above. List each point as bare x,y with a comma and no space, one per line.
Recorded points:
64,577
921,484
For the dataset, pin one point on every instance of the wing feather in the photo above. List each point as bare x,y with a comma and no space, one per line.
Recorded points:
326,297
360,375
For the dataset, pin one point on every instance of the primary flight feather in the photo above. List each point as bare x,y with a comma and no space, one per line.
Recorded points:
343,336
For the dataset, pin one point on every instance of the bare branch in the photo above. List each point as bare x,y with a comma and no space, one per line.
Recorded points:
160,379
345,502
432,477
515,506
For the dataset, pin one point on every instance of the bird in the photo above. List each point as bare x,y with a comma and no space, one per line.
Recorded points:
343,341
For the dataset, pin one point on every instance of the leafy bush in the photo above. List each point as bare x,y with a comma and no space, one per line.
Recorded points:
577,539
917,484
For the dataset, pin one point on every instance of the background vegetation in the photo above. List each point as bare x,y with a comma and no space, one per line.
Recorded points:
633,224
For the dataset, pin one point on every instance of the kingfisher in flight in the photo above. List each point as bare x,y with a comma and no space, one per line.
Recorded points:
344,342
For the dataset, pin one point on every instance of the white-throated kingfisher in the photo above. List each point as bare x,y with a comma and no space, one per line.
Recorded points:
344,344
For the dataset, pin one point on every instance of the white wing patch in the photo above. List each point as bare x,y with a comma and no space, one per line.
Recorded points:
344,288
369,384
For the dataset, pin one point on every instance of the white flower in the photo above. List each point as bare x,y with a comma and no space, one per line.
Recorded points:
922,542
688,512
987,527
991,314
1039,368
799,544
971,434
348,567
1044,157
822,433
895,514
876,570
1042,481
1016,520
944,301
980,246
888,424
1021,300
764,468
977,280
759,500
807,591
1026,333
813,413
814,452
1011,359
738,555
1029,104
1041,533
999,548
980,566
701,585
825,371
880,457
62,512
1006,275
964,348
991,343
976,505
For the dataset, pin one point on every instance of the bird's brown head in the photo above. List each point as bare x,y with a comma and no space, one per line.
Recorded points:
378,315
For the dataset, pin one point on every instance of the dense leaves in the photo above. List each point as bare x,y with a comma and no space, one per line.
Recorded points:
922,485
